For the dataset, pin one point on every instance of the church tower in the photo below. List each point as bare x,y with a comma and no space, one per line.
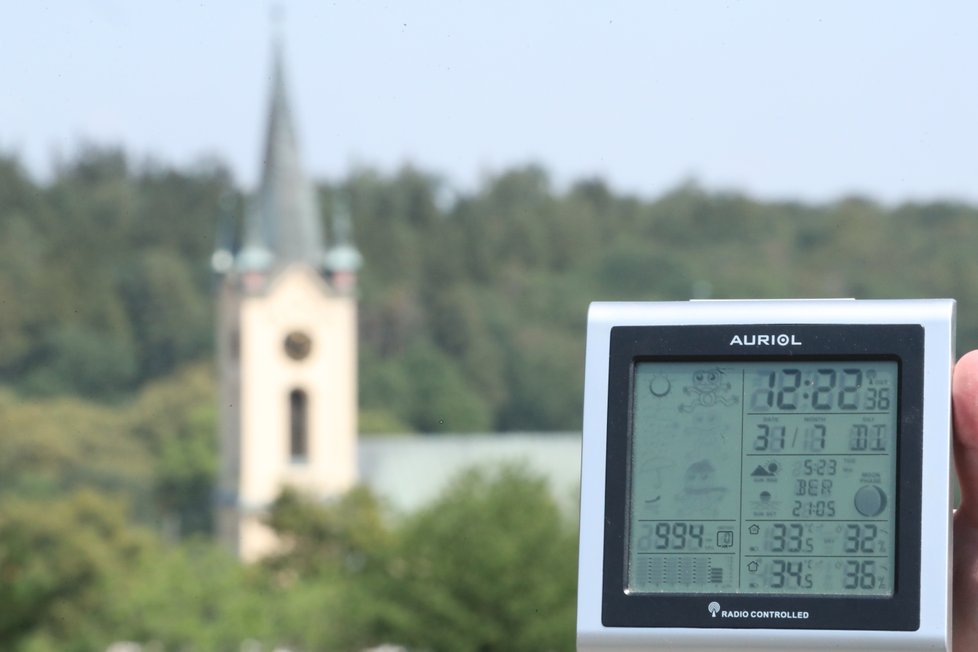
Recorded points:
286,344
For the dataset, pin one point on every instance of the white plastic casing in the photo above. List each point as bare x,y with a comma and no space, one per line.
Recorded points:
936,316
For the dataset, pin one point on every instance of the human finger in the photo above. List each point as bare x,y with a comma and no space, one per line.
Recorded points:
965,402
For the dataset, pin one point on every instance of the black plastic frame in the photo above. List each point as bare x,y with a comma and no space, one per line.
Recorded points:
629,345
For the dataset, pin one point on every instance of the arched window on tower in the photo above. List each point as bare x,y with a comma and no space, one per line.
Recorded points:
298,426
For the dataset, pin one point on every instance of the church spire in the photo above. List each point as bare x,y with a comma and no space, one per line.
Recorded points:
282,225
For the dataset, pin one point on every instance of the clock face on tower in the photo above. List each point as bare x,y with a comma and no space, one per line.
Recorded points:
298,345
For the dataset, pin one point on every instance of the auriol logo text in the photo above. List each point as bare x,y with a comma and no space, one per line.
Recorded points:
779,339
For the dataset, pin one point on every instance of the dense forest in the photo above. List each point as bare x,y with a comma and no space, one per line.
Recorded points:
472,316
105,284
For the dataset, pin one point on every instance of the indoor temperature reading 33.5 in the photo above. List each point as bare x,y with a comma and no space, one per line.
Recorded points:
754,476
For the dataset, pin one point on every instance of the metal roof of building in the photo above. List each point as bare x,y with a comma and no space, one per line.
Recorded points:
410,471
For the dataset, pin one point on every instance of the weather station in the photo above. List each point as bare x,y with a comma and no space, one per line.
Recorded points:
767,475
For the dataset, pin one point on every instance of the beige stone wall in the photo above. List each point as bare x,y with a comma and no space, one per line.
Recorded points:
297,300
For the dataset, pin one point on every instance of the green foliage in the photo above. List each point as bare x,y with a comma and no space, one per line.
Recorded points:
159,453
53,447
176,421
103,277
487,567
77,576
192,597
170,317
83,361
343,537
472,307
500,280
425,388
57,561
21,251
380,421
543,373
331,578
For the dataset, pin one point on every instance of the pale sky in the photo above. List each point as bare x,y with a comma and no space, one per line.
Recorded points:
778,99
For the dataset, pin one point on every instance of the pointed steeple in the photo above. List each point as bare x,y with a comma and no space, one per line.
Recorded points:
282,224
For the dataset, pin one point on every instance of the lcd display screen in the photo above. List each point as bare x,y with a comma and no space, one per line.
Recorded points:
763,478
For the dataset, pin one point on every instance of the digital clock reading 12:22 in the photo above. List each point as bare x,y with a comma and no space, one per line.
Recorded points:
763,478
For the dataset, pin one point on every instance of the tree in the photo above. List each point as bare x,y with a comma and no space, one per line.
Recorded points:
489,566
176,420
343,537
83,361
170,317
21,253
105,287
439,397
545,376
335,567
425,390
54,447
195,596
59,561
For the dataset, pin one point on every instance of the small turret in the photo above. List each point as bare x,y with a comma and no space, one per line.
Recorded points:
343,260
222,260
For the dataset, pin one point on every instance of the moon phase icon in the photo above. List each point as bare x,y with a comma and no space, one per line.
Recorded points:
660,386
